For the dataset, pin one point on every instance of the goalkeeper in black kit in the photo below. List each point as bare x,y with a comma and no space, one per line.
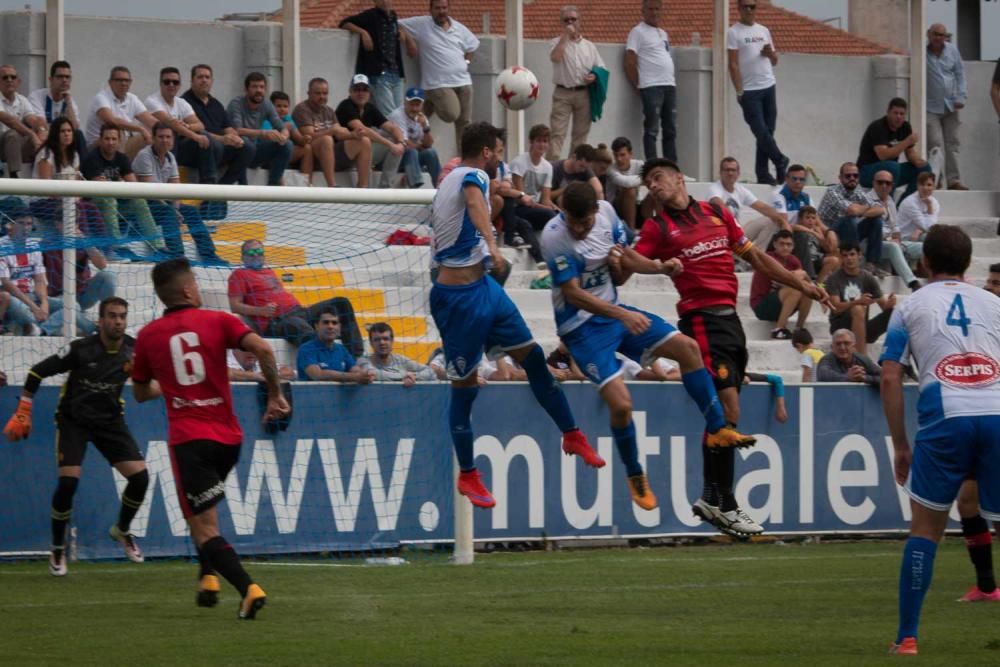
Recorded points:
90,410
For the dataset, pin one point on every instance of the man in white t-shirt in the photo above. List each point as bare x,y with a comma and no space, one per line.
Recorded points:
650,69
167,106
55,101
752,58
738,199
22,130
445,48
573,61
116,106
531,174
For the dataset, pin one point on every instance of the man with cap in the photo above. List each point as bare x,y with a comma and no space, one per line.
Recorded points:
359,115
420,152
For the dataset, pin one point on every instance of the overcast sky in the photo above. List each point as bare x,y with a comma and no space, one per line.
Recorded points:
212,9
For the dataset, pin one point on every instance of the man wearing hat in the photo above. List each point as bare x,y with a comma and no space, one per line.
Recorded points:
420,152
360,116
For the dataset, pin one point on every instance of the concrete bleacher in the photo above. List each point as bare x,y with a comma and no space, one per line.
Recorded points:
319,256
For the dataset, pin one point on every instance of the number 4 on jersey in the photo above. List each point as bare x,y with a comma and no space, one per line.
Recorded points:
956,315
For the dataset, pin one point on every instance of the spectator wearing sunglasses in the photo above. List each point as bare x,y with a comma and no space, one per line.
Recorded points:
854,214
886,140
167,106
22,130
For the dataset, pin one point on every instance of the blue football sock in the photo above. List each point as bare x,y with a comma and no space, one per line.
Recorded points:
628,450
699,387
547,391
460,420
914,580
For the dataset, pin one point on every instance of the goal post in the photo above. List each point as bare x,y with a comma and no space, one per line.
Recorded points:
325,245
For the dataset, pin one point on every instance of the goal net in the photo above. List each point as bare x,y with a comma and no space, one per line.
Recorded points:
359,469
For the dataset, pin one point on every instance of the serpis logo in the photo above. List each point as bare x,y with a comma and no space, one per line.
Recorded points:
969,369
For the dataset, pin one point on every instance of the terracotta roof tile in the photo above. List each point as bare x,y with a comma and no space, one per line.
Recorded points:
603,23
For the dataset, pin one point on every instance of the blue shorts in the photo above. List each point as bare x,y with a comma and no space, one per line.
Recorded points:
593,344
945,454
472,317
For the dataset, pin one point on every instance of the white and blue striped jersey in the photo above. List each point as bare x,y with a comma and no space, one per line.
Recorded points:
456,240
952,331
586,260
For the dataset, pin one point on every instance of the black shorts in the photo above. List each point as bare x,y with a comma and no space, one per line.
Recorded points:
113,440
722,343
200,469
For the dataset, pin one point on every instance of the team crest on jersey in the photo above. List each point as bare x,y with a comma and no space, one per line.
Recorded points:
722,371
593,372
457,366
969,369
562,263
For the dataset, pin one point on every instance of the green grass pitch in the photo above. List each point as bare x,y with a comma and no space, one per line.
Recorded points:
764,604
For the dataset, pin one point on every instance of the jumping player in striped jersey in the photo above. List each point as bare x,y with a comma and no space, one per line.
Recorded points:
585,248
472,312
952,332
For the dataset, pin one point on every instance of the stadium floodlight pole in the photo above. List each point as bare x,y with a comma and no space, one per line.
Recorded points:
69,266
291,49
918,70
55,31
514,54
720,81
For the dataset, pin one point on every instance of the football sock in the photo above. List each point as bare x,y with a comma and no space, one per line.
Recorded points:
699,386
132,497
224,560
725,476
979,542
62,508
204,565
628,450
547,391
709,492
914,580
460,420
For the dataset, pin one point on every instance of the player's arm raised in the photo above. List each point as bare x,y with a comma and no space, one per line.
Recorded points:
892,405
277,406
772,269
19,425
576,296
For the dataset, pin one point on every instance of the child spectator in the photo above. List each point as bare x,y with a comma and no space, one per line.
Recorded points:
302,154
802,341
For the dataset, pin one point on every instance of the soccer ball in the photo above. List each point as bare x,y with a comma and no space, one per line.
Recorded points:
517,88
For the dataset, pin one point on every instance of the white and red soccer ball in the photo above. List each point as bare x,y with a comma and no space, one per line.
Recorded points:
517,88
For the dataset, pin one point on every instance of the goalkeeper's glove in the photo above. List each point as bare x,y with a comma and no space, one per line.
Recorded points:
19,426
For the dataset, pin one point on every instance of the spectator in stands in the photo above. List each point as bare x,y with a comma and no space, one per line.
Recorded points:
946,94
157,164
117,107
333,146
57,157
621,187
29,311
777,385
302,155
752,57
323,358
575,168
816,246
649,67
993,280
94,279
167,106
271,149
22,129
810,357
420,152
226,148
256,293
852,291
886,139
505,200
789,197
244,367
853,214
845,364
738,198
773,302
574,60
894,250
445,48
389,366
380,57
531,175
55,101
362,118
107,163
918,213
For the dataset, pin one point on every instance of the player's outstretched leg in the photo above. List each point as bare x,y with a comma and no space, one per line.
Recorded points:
979,542
550,396
62,509
470,485
132,497
619,401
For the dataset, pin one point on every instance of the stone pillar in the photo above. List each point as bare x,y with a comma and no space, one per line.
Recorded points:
24,48
693,68
890,78
488,61
262,53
